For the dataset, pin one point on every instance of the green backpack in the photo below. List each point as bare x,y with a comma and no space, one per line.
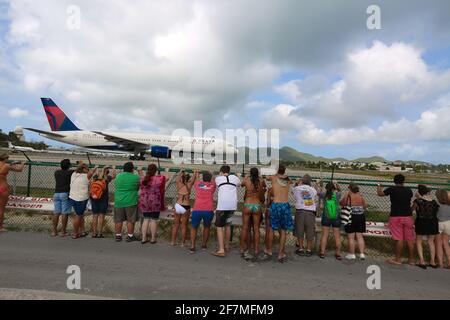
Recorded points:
331,207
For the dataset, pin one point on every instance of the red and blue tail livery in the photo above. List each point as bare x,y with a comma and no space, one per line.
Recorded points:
56,117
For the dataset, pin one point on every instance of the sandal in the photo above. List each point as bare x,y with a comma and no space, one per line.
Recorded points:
322,255
266,257
423,266
338,257
84,234
204,247
218,254
247,256
100,236
282,259
144,241
300,252
393,262
153,241
65,234
434,266
192,250
94,236
76,236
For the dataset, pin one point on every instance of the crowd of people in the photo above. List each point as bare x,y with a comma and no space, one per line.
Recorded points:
140,196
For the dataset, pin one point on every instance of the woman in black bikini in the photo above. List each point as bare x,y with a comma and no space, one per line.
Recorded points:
182,209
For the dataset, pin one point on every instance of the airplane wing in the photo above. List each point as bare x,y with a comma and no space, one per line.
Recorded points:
127,144
48,133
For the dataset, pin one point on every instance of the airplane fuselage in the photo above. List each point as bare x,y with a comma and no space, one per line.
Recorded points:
92,140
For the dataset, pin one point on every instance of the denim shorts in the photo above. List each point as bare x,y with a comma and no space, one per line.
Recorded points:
79,206
198,216
62,203
326,222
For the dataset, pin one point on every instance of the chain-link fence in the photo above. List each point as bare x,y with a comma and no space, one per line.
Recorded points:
37,180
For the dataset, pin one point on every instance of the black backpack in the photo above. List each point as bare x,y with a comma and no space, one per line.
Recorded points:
427,209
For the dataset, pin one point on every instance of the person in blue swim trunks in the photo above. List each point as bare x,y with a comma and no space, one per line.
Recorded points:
280,210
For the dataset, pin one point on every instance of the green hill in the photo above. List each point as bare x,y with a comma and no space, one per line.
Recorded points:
371,159
290,154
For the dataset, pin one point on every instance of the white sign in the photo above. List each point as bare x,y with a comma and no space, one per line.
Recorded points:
30,203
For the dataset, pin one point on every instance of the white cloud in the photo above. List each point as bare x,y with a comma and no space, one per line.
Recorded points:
182,60
410,151
377,82
17,113
433,125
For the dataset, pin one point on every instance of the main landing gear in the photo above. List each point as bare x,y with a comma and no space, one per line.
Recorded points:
138,156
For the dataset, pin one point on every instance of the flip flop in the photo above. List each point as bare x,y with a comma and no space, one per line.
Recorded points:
84,234
266,257
282,259
338,257
434,266
192,250
218,254
393,262
64,234
76,236
322,255
423,266
247,256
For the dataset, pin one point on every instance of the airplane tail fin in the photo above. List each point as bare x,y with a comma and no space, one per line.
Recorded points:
56,117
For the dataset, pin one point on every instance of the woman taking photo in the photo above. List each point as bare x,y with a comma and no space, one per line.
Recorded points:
182,207
442,245
426,224
99,195
151,201
79,196
331,218
5,168
255,190
357,227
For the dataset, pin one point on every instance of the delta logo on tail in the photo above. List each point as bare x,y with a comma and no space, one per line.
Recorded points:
56,117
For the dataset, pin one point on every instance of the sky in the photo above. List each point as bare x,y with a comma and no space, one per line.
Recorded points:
312,69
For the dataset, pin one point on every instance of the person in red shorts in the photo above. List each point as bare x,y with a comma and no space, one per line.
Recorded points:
401,223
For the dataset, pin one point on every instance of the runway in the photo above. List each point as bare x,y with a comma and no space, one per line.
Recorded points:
35,261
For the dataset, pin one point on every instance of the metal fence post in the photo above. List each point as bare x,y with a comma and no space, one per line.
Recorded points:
29,179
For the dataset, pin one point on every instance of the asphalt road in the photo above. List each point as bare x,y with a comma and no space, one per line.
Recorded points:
33,266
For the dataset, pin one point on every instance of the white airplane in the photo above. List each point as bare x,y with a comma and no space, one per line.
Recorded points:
139,144
19,148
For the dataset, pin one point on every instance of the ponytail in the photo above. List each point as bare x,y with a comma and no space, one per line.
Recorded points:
254,177
151,172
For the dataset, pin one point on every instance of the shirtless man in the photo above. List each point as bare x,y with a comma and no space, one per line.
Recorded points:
280,210
268,239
